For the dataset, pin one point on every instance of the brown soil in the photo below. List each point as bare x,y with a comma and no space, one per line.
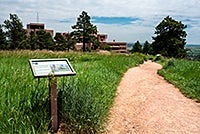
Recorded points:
146,104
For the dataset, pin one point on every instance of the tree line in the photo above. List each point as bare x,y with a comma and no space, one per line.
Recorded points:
14,37
170,39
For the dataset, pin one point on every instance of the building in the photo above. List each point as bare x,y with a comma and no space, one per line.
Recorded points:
102,37
119,47
36,26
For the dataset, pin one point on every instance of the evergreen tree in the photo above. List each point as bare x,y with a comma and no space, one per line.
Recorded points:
3,42
137,47
147,48
65,42
40,42
33,41
15,33
44,40
70,42
95,43
170,39
84,31
60,41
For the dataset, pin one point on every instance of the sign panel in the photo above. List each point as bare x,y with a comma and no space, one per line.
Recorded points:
47,67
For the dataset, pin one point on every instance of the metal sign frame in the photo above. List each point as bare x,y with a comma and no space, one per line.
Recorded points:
48,67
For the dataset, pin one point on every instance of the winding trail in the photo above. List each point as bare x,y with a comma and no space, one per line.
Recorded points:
146,104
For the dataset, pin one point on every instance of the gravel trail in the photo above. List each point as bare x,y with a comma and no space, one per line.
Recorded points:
147,104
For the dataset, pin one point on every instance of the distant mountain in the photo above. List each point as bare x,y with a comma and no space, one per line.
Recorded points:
194,49
130,45
190,45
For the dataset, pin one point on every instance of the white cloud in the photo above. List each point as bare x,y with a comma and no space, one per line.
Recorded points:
150,12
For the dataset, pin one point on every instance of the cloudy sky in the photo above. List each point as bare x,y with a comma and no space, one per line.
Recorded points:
122,20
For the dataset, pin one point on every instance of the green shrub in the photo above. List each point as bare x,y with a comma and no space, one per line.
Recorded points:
140,55
107,47
185,75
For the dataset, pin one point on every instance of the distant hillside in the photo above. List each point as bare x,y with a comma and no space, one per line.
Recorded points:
130,45
191,45
194,49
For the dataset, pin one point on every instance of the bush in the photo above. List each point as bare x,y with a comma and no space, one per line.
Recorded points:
183,74
107,47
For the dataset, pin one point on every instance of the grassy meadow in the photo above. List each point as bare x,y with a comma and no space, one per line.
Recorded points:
184,74
193,51
84,100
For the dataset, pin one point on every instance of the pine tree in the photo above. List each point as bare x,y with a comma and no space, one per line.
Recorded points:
137,47
147,48
84,31
170,39
70,42
15,33
60,41
44,40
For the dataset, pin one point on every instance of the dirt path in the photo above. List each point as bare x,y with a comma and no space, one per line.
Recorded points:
147,104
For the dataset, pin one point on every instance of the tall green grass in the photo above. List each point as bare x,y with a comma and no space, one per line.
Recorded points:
185,75
84,100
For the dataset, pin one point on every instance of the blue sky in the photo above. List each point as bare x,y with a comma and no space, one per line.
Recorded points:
128,20
113,20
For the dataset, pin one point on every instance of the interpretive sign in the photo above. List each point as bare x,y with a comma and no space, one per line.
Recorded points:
48,67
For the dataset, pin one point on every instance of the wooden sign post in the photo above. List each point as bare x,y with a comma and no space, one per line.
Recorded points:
53,100
52,68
